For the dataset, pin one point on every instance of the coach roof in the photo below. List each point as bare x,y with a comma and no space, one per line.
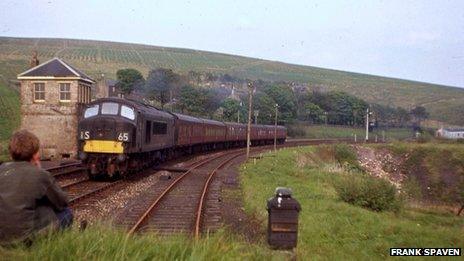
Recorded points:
187,118
213,122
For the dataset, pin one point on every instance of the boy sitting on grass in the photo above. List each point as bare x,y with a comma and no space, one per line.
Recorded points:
30,199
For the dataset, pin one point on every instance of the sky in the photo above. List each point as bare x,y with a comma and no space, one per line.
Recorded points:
416,40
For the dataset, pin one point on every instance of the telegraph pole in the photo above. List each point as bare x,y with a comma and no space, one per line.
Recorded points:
367,124
275,127
250,100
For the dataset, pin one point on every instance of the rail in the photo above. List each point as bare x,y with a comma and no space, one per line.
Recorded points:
205,189
150,209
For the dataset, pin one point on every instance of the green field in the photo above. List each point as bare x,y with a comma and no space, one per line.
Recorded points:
332,132
96,57
332,229
9,118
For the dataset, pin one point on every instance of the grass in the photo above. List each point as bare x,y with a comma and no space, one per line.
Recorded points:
103,243
331,131
436,167
332,229
9,118
328,229
96,57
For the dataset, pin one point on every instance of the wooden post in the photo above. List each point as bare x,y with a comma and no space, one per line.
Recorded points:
250,101
275,127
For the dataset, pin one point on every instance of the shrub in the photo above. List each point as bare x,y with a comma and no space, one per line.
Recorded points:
411,188
368,192
296,131
423,139
347,158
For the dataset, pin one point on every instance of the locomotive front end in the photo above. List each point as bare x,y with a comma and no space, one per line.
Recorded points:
107,132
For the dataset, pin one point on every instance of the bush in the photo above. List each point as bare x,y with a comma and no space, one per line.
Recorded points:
347,158
296,131
368,192
423,139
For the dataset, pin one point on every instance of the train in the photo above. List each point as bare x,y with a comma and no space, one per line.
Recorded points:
117,136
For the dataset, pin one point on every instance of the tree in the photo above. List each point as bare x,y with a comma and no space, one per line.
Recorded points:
210,100
284,96
230,109
402,117
226,78
160,83
190,100
129,80
419,113
313,113
341,107
266,106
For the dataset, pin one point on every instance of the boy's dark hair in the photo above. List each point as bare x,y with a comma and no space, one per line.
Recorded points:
23,145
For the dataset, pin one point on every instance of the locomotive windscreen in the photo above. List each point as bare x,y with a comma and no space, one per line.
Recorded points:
92,111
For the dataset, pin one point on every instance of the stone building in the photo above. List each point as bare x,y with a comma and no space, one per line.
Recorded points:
52,96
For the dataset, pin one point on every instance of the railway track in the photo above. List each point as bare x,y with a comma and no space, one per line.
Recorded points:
64,170
68,174
180,205
173,206
183,205
85,188
179,202
202,203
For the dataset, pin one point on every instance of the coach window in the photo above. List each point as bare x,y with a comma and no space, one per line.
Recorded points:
65,92
147,131
127,112
159,128
39,91
110,108
92,111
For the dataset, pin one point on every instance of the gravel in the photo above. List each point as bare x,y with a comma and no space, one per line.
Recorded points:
102,209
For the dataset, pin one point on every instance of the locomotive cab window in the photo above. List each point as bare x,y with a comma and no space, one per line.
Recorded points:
91,111
127,112
110,108
159,128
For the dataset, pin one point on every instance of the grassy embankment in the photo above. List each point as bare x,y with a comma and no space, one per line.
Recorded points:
329,227
434,170
333,229
106,244
9,118
330,131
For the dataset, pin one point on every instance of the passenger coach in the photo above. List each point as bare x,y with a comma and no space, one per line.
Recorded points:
117,135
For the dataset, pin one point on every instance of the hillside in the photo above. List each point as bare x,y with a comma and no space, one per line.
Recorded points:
96,57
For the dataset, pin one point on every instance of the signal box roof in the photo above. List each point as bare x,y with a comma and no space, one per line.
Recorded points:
54,68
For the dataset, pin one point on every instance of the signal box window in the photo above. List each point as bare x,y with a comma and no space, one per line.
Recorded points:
159,128
39,91
65,92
